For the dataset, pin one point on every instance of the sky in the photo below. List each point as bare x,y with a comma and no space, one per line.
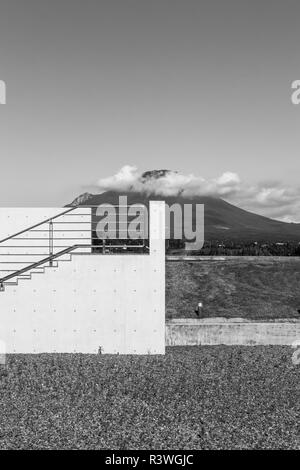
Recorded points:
198,87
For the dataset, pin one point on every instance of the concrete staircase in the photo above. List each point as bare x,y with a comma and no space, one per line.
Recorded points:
11,264
43,245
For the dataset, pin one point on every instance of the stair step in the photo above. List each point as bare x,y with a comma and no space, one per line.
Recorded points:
63,258
15,262
22,258
17,245
14,266
6,273
54,265
10,264
24,255
38,270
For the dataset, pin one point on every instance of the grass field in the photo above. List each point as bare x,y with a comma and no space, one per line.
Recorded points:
263,288
192,398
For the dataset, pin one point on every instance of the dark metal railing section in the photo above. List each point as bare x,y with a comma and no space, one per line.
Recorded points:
61,235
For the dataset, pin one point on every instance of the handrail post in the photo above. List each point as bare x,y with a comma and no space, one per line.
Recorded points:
51,242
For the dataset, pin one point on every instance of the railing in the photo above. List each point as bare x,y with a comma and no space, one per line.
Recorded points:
63,234
38,224
39,263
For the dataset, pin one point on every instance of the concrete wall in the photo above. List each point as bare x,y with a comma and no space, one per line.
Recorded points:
15,219
22,250
192,332
112,302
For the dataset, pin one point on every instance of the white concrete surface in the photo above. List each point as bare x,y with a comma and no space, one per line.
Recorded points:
115,303
233,331
27,248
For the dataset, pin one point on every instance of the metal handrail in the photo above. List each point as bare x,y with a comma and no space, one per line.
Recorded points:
50,259
41,262
52,237
37,225
51,219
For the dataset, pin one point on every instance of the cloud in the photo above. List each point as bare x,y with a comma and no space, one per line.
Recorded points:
277,201
124,180
271,199
169,183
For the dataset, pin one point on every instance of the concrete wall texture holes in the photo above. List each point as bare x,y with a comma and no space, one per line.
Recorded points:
87,302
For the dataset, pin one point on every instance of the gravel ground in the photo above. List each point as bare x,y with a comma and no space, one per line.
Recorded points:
263,288
216,397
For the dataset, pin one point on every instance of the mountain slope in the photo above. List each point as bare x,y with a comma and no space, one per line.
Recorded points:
222,219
